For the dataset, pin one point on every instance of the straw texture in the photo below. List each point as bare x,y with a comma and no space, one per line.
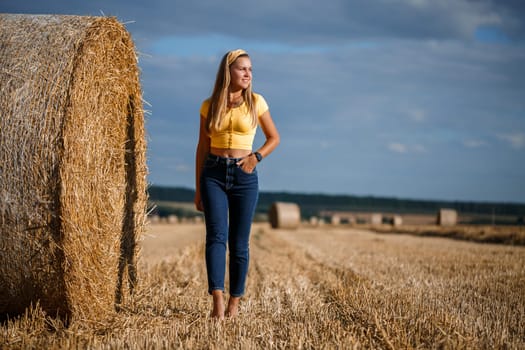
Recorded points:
72,164
285,215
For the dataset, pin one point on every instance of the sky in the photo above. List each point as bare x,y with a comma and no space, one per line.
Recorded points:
417,99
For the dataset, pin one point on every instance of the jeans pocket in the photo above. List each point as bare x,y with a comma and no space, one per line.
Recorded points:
254,171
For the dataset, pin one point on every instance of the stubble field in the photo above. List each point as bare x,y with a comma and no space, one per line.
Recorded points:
314,288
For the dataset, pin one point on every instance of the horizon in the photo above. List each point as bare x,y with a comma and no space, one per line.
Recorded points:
352,195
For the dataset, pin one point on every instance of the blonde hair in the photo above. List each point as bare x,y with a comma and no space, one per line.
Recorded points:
219,97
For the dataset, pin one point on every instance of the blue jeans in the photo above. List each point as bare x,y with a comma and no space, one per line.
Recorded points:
229,196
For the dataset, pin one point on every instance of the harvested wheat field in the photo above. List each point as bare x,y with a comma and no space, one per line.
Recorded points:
311,288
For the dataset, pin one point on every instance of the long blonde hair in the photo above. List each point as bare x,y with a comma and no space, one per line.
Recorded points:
219,97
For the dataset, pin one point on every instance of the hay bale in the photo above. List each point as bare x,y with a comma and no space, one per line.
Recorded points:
154,219
350,220
285,215
397,220
447,217
376,219
173,219
335,219
73,170
314,220
394,220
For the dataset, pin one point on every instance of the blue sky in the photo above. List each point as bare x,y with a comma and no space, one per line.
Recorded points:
414,99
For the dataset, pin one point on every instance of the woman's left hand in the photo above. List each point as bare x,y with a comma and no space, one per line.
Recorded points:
248,163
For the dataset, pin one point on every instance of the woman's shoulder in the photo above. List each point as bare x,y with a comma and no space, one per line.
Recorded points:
205,106
260,103
257,95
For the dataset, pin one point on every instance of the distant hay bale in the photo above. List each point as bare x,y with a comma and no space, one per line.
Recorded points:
447,217
72,164
397,220
197,219
173,219
351,220
335,219
394,220
154,219
376,219
285,215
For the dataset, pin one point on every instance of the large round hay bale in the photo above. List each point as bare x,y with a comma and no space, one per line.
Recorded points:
285,215
72,164
447,217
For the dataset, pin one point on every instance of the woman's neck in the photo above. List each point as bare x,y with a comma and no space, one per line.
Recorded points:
235,98
235,95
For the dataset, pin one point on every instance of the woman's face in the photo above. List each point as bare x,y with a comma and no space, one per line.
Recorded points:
241,73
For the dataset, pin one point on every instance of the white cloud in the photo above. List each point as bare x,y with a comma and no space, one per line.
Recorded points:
418,3
397,147
419,149
516,140
324,145
183,168
417,115
474,143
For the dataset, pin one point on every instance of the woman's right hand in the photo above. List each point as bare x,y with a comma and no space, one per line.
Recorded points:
198,202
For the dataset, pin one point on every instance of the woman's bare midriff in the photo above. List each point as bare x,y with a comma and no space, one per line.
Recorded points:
229,153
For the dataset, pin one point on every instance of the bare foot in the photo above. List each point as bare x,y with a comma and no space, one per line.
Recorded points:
233,307
218,305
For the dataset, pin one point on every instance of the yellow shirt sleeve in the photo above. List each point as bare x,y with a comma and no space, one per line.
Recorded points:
205,106
260,105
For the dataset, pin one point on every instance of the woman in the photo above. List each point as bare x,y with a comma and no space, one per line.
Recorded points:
226,179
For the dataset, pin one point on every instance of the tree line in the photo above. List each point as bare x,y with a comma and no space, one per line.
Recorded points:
312,204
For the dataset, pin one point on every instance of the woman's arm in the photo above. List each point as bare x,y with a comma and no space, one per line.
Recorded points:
203,148
270,131
272,141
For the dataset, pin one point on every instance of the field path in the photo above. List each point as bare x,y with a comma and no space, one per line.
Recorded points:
340,287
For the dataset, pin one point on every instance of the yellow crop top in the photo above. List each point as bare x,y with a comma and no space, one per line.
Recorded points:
238,132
